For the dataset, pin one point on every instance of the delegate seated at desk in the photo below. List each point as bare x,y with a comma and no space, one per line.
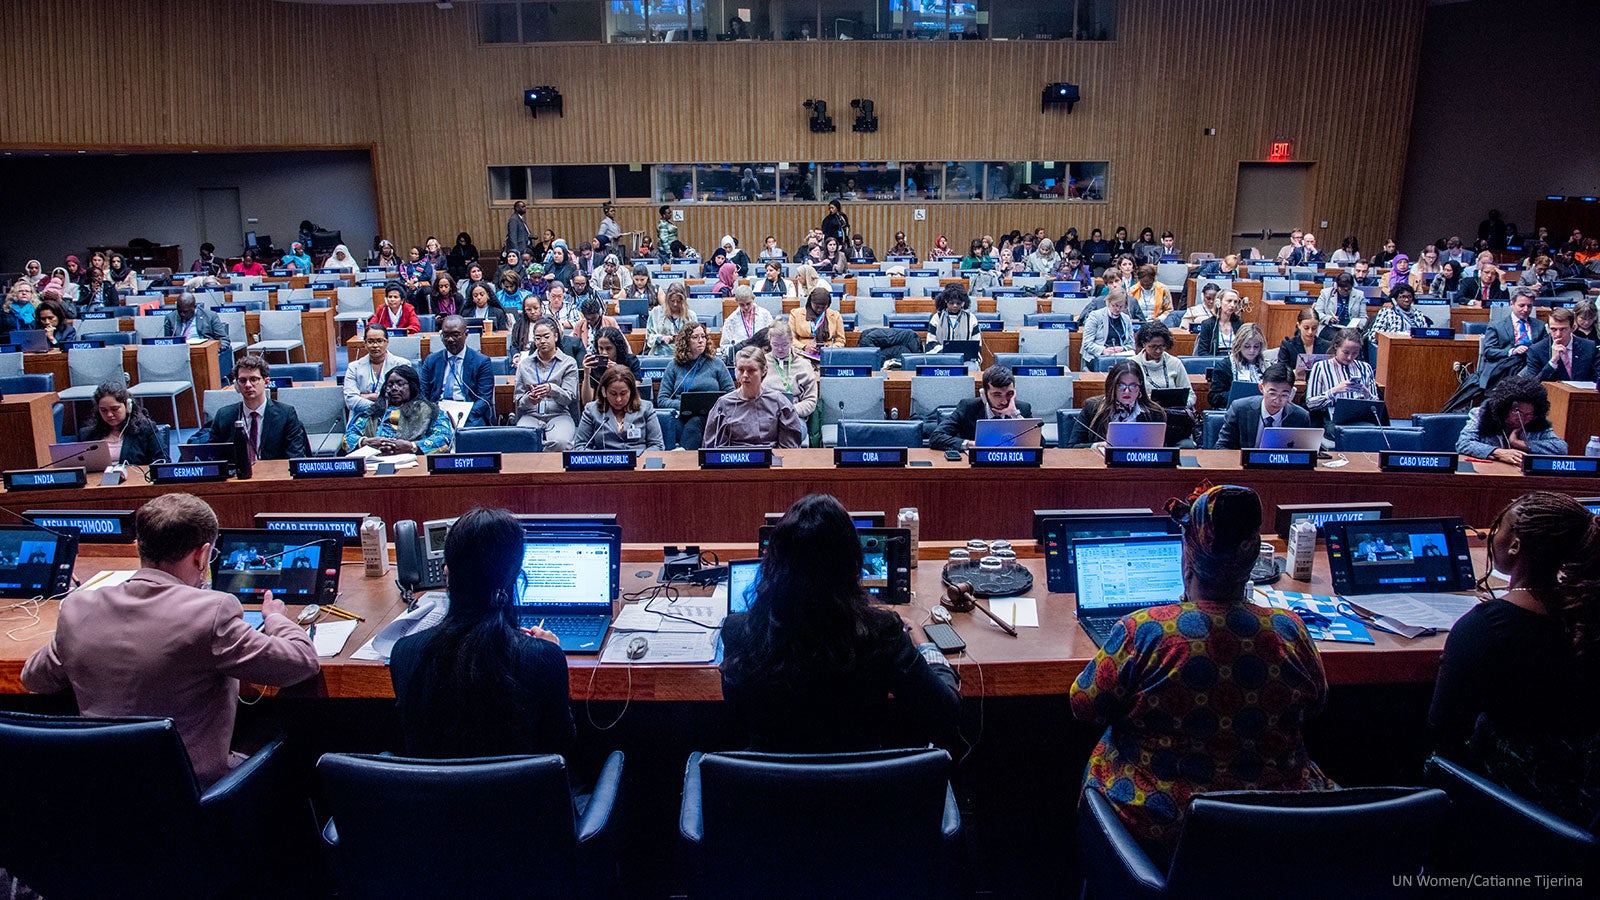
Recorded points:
401,421
753,415
1506,341
161,644
1559,355
1514,420
459,373
1275,408
193,322
119,420
363,379
1125,400
998,400
273,429
1341,375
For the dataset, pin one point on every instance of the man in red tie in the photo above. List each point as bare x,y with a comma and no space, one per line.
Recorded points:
1505,346
272,429
1562,355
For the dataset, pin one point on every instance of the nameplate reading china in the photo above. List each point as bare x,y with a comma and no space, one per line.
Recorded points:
1141,457
462,463
598,460
183,473
1439,333
744,458
95,526
347,524
1575,466
1407,461
45,479
870,457
1258,458
328,467
996,457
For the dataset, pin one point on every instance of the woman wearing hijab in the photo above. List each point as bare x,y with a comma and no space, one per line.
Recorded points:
121,275
400,420
341,261
725,278
33,273
1399,273
561,267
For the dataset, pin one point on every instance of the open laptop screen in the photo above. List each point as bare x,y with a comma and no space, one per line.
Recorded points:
566,575
1124,574
743,577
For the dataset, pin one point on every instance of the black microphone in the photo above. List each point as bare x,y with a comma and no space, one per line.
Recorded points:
41,527
1011,439
73,457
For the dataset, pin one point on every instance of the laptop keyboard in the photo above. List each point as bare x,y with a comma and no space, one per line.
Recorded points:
1099,629
582,628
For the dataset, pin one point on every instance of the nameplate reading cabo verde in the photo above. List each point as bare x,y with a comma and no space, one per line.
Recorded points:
1007,456
1576,466
598,460
741,458
327,467
1407,461
1141,457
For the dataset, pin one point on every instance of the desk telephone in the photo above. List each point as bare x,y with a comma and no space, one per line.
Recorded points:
419,556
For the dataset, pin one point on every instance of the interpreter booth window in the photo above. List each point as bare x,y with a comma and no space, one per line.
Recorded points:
861,182
570,182
924,181
656,21
742,20
675,183
1045,181
847,20
632,182
798,182
742,182
540,23
508,183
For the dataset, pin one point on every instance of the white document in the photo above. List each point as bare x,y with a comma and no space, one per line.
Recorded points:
1440,611
330,637
457,410
1018,612
662,647
634,617
1580,385
366,652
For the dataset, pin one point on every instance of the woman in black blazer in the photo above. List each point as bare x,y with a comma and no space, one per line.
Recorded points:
121,421
1212,340
1305,341
1125,400
1244,363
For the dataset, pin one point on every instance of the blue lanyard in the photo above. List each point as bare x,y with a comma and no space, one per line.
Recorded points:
536,378
688,379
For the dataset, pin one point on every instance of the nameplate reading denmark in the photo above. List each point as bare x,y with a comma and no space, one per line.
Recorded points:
1574,466
747,458
184,473
598,460
1405,461
462,463
998,457
1141,457
870,457
328,467
1258,458
45,479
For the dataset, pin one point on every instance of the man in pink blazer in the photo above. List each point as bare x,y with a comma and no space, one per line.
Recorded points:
162,644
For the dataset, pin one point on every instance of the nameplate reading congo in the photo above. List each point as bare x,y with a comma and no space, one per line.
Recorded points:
1573,466
328,467
870,457
1445,334
462,463
745,458
999,457
1408,461
45,479
1141,457
184,473
95,526
599,460
1259,458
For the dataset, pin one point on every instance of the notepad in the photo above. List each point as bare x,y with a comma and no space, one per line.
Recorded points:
1018,612
330,637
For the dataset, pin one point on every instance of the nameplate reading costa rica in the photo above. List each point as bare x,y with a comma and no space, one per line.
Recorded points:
462,463
1006,456
1573,466
327,467
1141,457
738,458
598,460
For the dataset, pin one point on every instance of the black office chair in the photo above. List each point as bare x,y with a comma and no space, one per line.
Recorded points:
879,824
1371,439
876,433
103,807
1237,844
1439,430
494,827
298,371
1491,829
499,439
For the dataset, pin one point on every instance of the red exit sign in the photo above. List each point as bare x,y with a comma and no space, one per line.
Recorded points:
1281,150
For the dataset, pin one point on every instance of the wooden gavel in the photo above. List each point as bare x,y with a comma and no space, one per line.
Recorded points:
958,597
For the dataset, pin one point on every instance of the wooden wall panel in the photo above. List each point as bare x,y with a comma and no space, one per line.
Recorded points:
1334,76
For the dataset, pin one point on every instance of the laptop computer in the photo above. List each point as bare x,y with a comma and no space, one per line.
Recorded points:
568,586
743,576
697,403
1291,438
31,340
1350,411
1008,432
969,350
1118,575
1171,398
89,454
1136,434
1243,389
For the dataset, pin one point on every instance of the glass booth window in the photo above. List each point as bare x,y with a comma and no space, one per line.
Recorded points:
861,181
1045,181
797,181
675,183
924,181
747,182
963,181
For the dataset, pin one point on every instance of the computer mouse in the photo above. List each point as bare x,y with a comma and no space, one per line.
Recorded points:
638,647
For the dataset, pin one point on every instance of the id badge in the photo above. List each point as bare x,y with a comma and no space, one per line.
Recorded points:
634,432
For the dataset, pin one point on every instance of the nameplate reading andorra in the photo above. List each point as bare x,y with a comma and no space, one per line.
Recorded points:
95,526
184,473
1000,457
1574,466
1141,457
462,463
870,457
742,458
1258,458
45,479
598,460
1408,461
328,467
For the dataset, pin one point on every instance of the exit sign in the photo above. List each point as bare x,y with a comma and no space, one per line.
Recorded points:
1281,150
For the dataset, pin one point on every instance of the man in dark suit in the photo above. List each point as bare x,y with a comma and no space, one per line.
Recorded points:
273,429
1561,356
518,237
460,373
1275,408
191,320
998,401
1506,342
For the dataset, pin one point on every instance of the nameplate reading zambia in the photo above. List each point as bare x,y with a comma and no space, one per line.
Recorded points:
999,457
846,371
743,458
1259,458
462,463
1408,461
1141,457
328,467
45,479
184,473
1574,466
598,460
95,526
870,457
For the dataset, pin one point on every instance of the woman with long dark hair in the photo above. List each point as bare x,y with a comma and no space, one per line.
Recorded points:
1126,400
120,421
476,684
812,664
1509,701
